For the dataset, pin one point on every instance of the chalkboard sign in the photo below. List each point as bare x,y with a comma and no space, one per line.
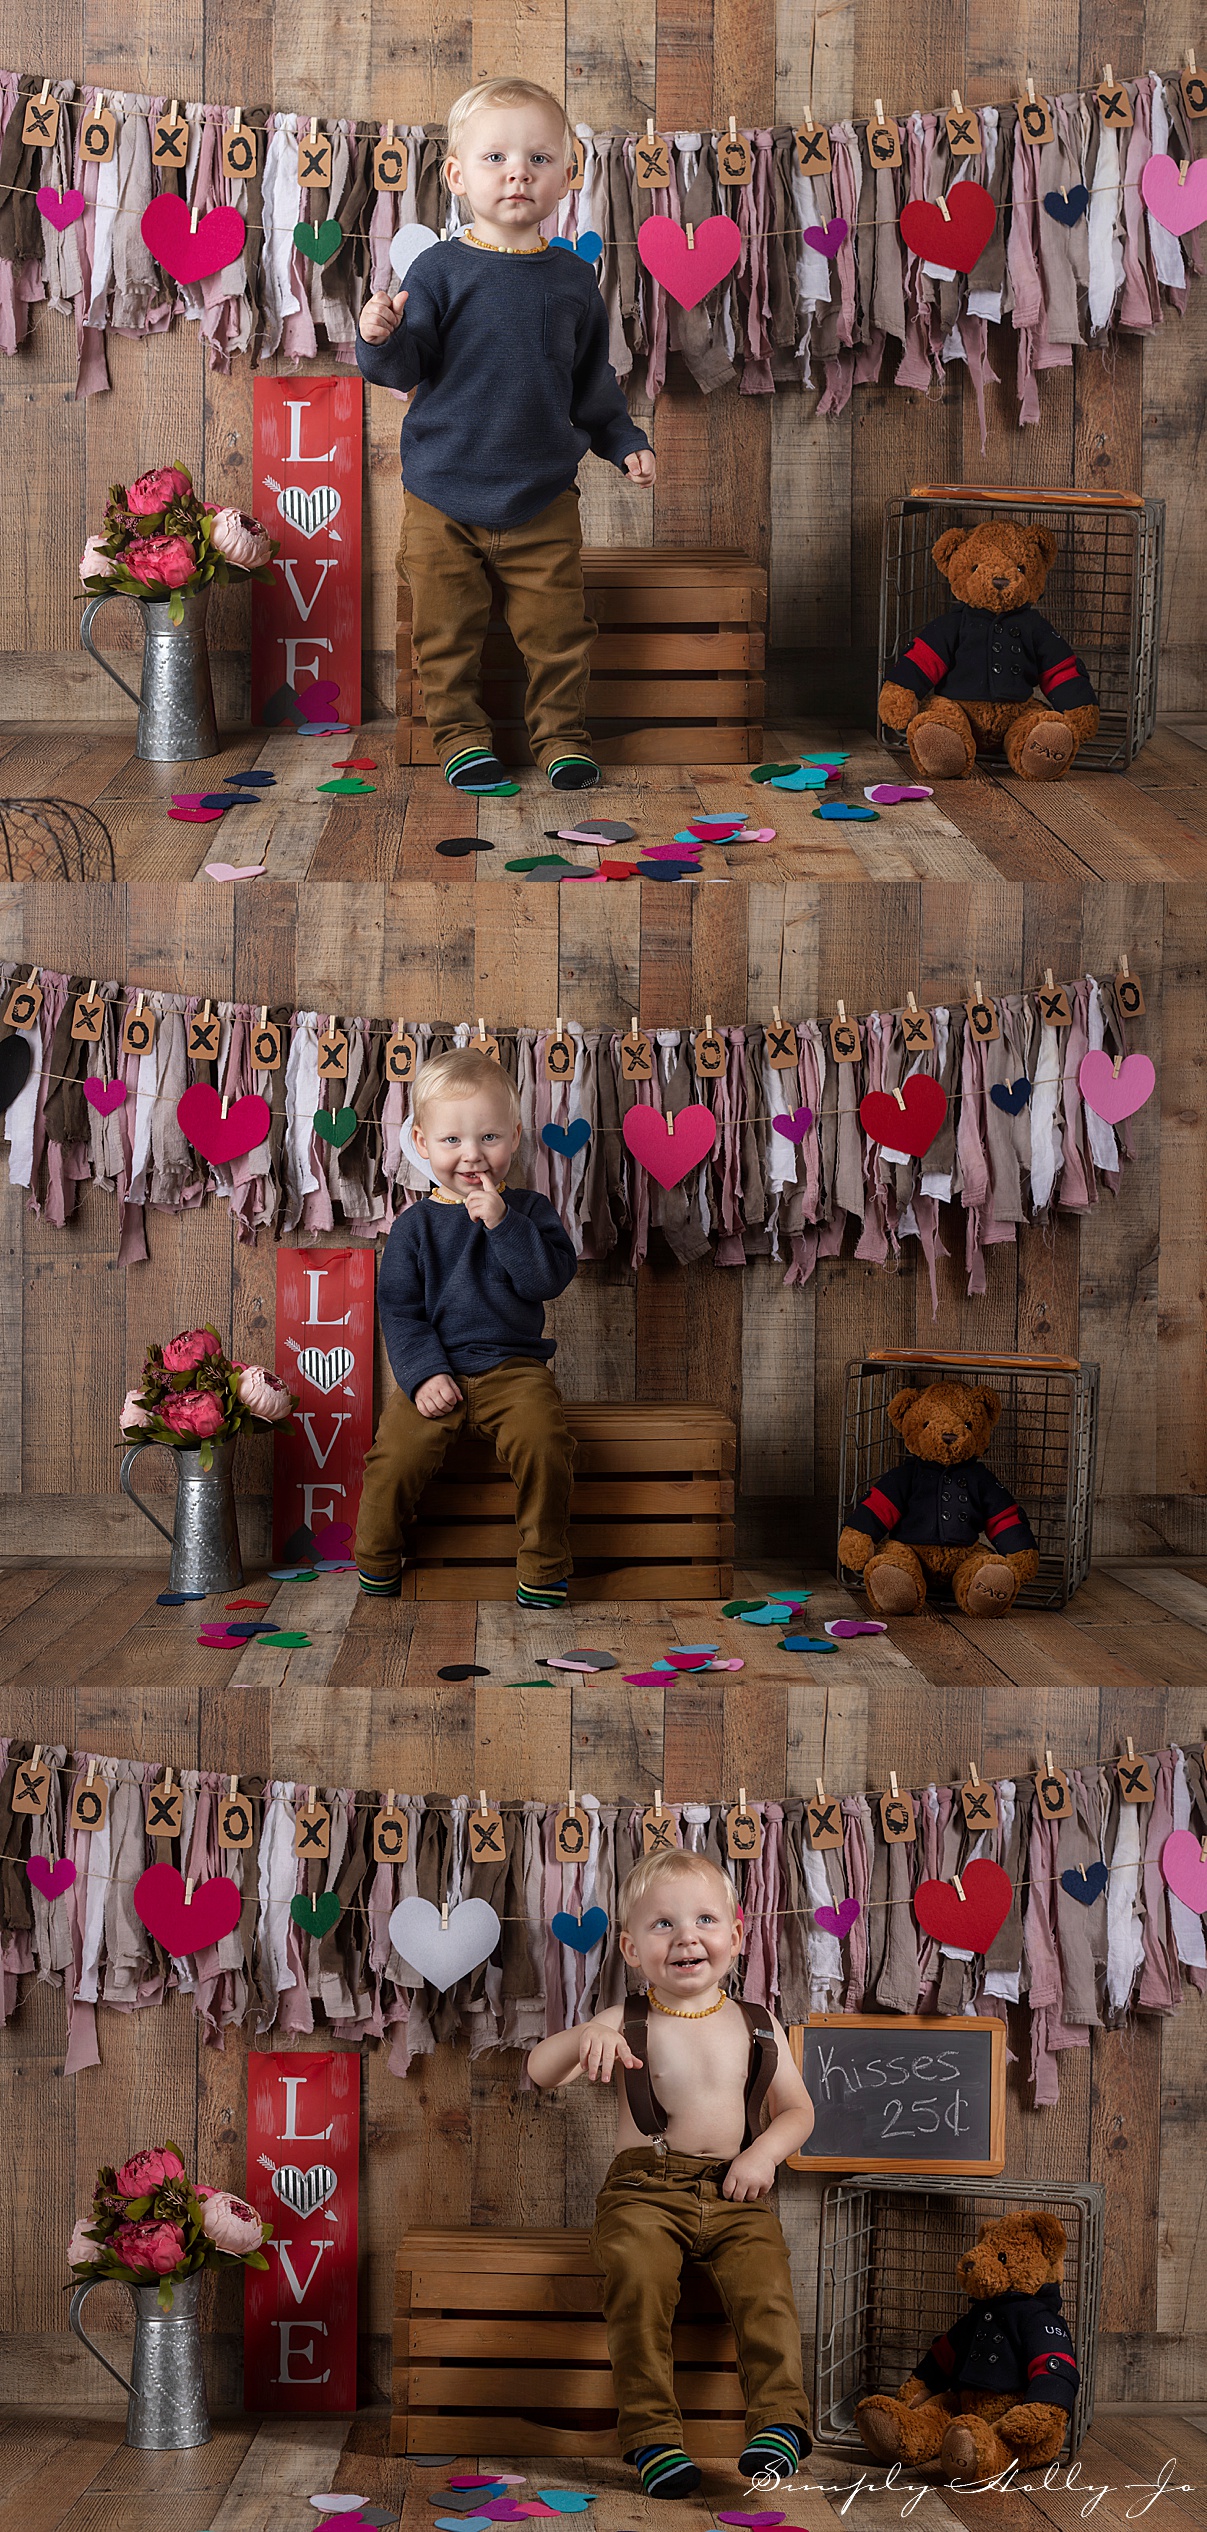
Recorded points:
896,2092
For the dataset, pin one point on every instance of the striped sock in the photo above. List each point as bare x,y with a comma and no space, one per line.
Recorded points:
541,1595
573,773
666,2470
772,2454
474,769
379,1587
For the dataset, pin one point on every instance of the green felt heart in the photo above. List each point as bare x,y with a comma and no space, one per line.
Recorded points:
540,861
320,243
738,1608
318,1915
283,1640
345,784
764,773
336,1125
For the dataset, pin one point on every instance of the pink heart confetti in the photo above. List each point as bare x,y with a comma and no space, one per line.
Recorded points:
235,870
216,1640
105,1096
646,1678
842,1628
669,852
729,1661
196,817
61,209
755,835
887,794
715,830
688,1661
757,2522
51,1878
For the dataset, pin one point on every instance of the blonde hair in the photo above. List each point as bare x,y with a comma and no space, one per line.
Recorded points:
501,92
460,1073
674,1866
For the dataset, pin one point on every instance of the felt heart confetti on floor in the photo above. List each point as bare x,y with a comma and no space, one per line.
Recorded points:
51,1878
355,764
586,1659
529,862
217,1639
687,1661
580,1934
292,1573
248,1628
647,1678
772,1613
1085,1885
457,848
843,1629
462,2522
668,870
195,817
463,1670
767,773
256,779
176,1599
839,1919
592,831
105,1096
1012,1097
756,2522
235,870
565,2500
337,2503
847,813
247,1604
567,1139
316,1915
284,1642
347,786
807,1644
885,795
801,778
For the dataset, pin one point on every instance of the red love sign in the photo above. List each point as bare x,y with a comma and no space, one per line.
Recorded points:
688,273
968,1924
186,253
668,1155
182,1928
909,1129
959,241
217,1137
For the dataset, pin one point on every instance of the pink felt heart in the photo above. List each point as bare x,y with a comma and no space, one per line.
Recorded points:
196,817
317,702
159,1898
1183,1868
105,1095
827,240
186,253
757,2522
795,1127
838,1920
1176,197
647,1678
885,795
668,1155
235,870
216,1640
755,835
61,209
842,1629
669,852
958,241
217,1137
50,1878
689,273
1115,1095
912,1128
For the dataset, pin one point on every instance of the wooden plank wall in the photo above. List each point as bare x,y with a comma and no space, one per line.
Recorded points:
1123,1287
757,472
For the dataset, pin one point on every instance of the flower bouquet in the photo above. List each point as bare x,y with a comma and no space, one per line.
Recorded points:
192,1394
149,2221
160,540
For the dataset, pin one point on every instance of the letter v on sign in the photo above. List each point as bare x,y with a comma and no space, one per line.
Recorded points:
307,1424
290,569
300,2291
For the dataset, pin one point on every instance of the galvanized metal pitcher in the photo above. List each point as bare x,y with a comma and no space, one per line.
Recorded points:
205,1534
167,2411
176,705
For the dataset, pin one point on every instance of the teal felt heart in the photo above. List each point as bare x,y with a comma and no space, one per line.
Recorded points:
318,244
317,1915
581,1933
807,1644
805,778
773,1613
336,1125
564,2500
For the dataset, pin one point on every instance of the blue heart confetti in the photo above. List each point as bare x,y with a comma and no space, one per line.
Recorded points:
807,1644
176,1599
257,780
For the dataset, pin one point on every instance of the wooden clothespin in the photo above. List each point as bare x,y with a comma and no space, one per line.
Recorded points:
481,1028
880,109
483,1805
389,1797
691,234
310,1797
91,1773
821,1791
570,1803
943,208
741,1788
959,1885
188,1890
1183,165
899,1096
238,118
193,221
444,1916
842,1013
955,99
314,127
226,1100
232,1788
649,127
1030,89
657,1800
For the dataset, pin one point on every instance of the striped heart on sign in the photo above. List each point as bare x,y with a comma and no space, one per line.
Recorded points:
305,2191
325,1371
309,512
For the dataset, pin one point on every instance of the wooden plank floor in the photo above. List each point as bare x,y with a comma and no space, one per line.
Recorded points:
1147,824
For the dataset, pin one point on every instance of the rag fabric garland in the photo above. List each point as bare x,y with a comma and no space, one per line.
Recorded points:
825,293
792,1174
1093,1932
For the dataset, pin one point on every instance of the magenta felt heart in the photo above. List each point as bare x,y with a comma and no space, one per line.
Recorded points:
61,209
828,240
50,1878
668,1155
715,830
885,795
317,702
757,2522
843,1628
959,241
689,273
212,1911
837,1920
186,253
1178,205
1115,1095
105,1095
196,817
1183,1867
795,1127
217,1137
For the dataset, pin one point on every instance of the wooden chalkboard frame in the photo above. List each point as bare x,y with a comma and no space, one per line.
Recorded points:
934,2024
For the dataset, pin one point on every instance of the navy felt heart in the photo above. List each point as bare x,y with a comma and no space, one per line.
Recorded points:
668,870
1068,207
582,1934
569,1139
1087,1886
1010,1096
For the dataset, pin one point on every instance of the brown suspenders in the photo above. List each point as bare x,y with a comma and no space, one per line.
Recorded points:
646,2109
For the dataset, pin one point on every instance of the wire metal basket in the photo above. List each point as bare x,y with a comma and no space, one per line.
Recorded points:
53,839
886,2284
1103,592
1044,1448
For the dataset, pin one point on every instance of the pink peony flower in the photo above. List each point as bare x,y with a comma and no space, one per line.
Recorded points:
240,539
230,2224
133,1412
167,559
154,2248
263,1394
154,491
187,1353
80,2248
145,2172
197,1415
95,564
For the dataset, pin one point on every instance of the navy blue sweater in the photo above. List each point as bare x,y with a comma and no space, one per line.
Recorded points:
455,1297
508,355
1016,2343
973,656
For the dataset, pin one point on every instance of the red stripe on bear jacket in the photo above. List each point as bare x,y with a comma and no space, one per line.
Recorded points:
885,1511
1060,675
1005,1520
927,660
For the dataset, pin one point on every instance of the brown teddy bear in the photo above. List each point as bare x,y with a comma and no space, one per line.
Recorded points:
967,681
931,1510
998,2387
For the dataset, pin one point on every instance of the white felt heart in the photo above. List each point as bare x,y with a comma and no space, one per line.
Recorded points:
325,1371
443,1953
410,240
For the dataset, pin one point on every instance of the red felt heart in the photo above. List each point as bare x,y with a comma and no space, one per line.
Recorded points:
669,1156
959,241
217,1137
909,1129
355,764
968,1924
50,1878
61,209
105,1095
689,273
186,253
212,1911
688,1661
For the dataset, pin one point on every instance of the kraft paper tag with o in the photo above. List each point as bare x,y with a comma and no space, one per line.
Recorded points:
32,1789
138,1030
659,1832
814,156
571,1836
266,1047
235,1826
390,1838
780,1048
982,1021
23,1005
575,167
1129,996
401,1057
98,136
312,1832
709,1054
559,1057
1194,95
636,1056
314,161
735,166
88,1019
884,144
333,1055
89,1805
41,124
390,165
897,1825
170,143
165,1810
743,1835
979,1802
239,150
204,1035
487,1844
845,1044
653,162
1054,1794
1035,121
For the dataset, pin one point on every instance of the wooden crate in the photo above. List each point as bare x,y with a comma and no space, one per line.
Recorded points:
676,674
651,1513
499,2348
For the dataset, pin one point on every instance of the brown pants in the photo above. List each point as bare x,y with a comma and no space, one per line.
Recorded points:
540,569
519,1407
653,2212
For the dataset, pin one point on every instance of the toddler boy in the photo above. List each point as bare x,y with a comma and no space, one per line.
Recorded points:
462,1281
693,2167
505,340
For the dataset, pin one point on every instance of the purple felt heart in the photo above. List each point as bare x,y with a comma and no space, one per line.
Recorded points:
885,795
50,1878
795,1127
837,1920
845,1627
827,241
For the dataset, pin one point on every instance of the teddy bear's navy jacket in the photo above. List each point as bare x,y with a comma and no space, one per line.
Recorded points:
973,656
925,1505
1018,2344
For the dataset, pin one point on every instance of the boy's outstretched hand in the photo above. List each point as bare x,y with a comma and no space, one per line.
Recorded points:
751,2174
600,2045
640,466
436,1396
381,314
